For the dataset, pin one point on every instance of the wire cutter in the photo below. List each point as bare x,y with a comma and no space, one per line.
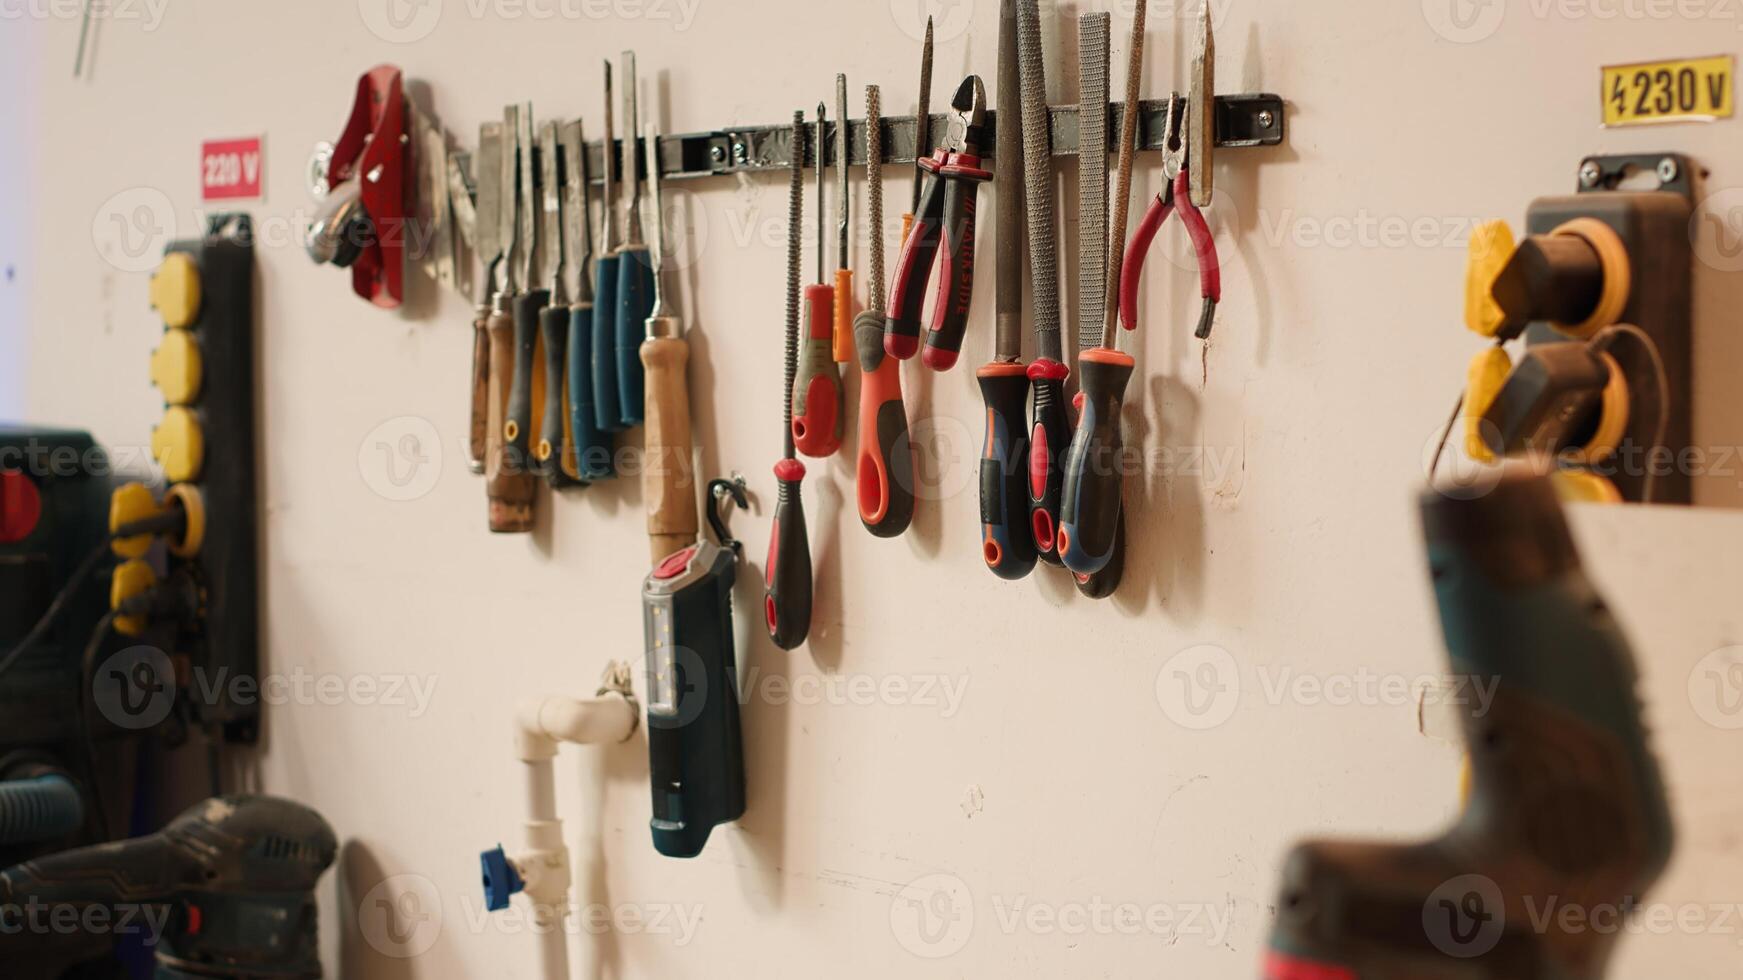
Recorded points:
947,205
1176,195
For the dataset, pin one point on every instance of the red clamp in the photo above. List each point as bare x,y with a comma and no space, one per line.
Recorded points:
375,151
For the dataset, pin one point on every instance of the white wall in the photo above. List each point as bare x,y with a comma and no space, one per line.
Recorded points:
1058,780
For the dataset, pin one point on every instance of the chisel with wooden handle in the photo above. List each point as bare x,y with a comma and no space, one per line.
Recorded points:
509,484
667,446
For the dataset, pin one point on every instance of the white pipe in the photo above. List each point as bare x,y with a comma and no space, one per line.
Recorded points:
540,724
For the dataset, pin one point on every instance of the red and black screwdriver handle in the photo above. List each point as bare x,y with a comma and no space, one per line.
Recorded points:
947,213
1007,544
884,477
1089,503
787,574
1049,437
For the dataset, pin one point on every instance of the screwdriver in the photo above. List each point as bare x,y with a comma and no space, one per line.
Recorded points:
489,171
1007,545
667,447
819,415
635,274
843,271
555,451
922,130
607,408
885,473
1090,514
592,447
787,574
508,483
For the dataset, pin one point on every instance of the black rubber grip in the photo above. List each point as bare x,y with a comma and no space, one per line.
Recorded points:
1089,504
1049,433
607,410
555,444
1007,544
592,446
787,575
635,303
894,448
1105,582
519,424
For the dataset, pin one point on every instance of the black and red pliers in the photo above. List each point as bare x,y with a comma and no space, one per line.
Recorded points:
1176,196
947,205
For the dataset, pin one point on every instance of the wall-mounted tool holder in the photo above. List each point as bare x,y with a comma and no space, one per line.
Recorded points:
1600,290
1241,121
204,367
362,224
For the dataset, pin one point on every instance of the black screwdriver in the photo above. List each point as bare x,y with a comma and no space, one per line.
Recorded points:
787,574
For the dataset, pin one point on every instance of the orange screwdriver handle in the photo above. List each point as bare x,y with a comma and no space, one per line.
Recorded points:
819,409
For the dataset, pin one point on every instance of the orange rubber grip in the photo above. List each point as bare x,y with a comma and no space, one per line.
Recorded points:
843,315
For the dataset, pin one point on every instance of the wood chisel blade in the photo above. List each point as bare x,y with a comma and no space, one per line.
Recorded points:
1008,154
526,228
632,188
1123,183
508,203
1038,184
487,167
577,243
465,218
1201,114
1092,185
436,253
551,256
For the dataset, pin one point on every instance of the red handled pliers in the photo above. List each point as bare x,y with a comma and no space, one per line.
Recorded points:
947,212
1176,196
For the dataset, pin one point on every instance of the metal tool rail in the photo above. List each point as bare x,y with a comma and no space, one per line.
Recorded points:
1241,121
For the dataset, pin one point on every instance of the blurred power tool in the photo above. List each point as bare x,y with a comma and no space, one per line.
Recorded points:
695,746
227,891
1566,810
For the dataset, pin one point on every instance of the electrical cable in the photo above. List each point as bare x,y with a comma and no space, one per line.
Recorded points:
86,665
1446,436
160,524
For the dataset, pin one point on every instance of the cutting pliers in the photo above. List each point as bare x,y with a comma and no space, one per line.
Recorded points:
1176,195
947,205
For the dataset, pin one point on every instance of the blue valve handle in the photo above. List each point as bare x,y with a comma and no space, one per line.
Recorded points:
501,880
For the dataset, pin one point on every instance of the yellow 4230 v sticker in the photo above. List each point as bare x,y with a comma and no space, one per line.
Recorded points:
1691,90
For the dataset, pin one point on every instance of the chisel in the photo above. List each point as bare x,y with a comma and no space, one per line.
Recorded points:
593,460
508,483
528,383
1050,427
607,409
488,167
885,474
1089,506
819,409
843,269
1007,544
635,274
922,129
666,482
554,453
787,572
